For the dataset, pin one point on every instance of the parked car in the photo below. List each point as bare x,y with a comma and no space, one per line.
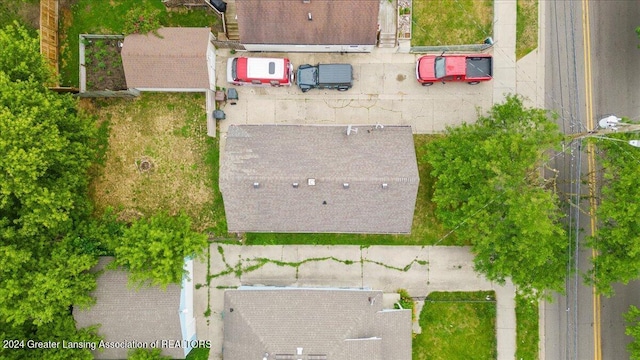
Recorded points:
468,68
260,71
325,76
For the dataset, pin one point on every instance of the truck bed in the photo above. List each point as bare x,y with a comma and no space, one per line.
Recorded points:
479,67
334,73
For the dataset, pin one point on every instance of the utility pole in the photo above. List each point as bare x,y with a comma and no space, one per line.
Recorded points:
608,125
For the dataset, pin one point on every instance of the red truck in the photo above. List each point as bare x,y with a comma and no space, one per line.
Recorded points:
468,68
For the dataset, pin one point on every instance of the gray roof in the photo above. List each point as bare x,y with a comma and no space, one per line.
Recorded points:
126,314
275,157
176,59
334,22
339,324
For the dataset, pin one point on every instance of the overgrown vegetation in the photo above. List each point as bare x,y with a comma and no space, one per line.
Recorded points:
447,22
25,12
527,335
526,27
489,190
426,230
457,325
116,17
406,302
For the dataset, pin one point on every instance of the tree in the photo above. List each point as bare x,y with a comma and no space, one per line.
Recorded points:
632,317
154,249
489,190
617,239
20,58
46,147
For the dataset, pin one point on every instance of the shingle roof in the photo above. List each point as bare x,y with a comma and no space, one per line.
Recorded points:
177,58
339,324
335,22
261,164
126,314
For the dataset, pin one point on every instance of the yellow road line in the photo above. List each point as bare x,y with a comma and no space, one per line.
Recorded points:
597,349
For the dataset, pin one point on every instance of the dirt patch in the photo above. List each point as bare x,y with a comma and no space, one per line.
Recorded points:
103,65
156,156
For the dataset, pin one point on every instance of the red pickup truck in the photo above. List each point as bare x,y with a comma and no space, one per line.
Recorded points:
468,68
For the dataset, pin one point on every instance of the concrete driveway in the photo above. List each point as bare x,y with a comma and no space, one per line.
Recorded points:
418,269
385,91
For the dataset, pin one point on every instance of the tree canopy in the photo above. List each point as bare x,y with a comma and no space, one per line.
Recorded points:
154,249
46,147
489,190
617,239
632,318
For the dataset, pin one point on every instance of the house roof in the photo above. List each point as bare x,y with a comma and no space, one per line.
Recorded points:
125,314
365,182
334,22
313,324
176,58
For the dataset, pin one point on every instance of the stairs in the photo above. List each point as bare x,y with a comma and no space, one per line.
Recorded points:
233,33
387,40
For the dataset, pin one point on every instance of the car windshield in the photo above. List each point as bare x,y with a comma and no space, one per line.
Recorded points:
234,69
440,67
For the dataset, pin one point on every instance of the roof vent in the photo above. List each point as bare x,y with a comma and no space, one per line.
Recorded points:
345,185
385,185
351,129
311,182
309,16
295,185
306,1
256,185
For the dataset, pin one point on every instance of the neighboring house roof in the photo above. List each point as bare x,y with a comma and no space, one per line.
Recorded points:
365,182
125,314
176,58
313,324
344,22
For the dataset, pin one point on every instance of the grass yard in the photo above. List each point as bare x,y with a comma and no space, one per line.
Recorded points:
526,329
26,12
426,229
451,22
108,17
526,27
159,158
457,325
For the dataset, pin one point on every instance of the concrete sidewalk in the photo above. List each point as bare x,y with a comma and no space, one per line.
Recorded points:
419,270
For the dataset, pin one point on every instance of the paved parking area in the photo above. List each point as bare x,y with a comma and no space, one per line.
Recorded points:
418,269
385,91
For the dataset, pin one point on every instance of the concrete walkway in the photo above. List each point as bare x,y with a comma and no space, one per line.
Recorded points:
419,270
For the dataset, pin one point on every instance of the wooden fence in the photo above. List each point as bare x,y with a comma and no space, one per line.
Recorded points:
49,33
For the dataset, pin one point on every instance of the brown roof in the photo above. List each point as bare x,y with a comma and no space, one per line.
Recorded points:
304,323
261,164
176,59
335,22
125,314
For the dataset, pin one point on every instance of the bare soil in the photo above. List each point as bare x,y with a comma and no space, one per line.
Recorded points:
104,65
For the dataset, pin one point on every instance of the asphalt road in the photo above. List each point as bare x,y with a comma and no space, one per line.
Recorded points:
616,89
615,60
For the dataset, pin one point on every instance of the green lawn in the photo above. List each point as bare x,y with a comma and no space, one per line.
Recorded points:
426,229
526,329
198,354
526,27
457,325
108,17
451,22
